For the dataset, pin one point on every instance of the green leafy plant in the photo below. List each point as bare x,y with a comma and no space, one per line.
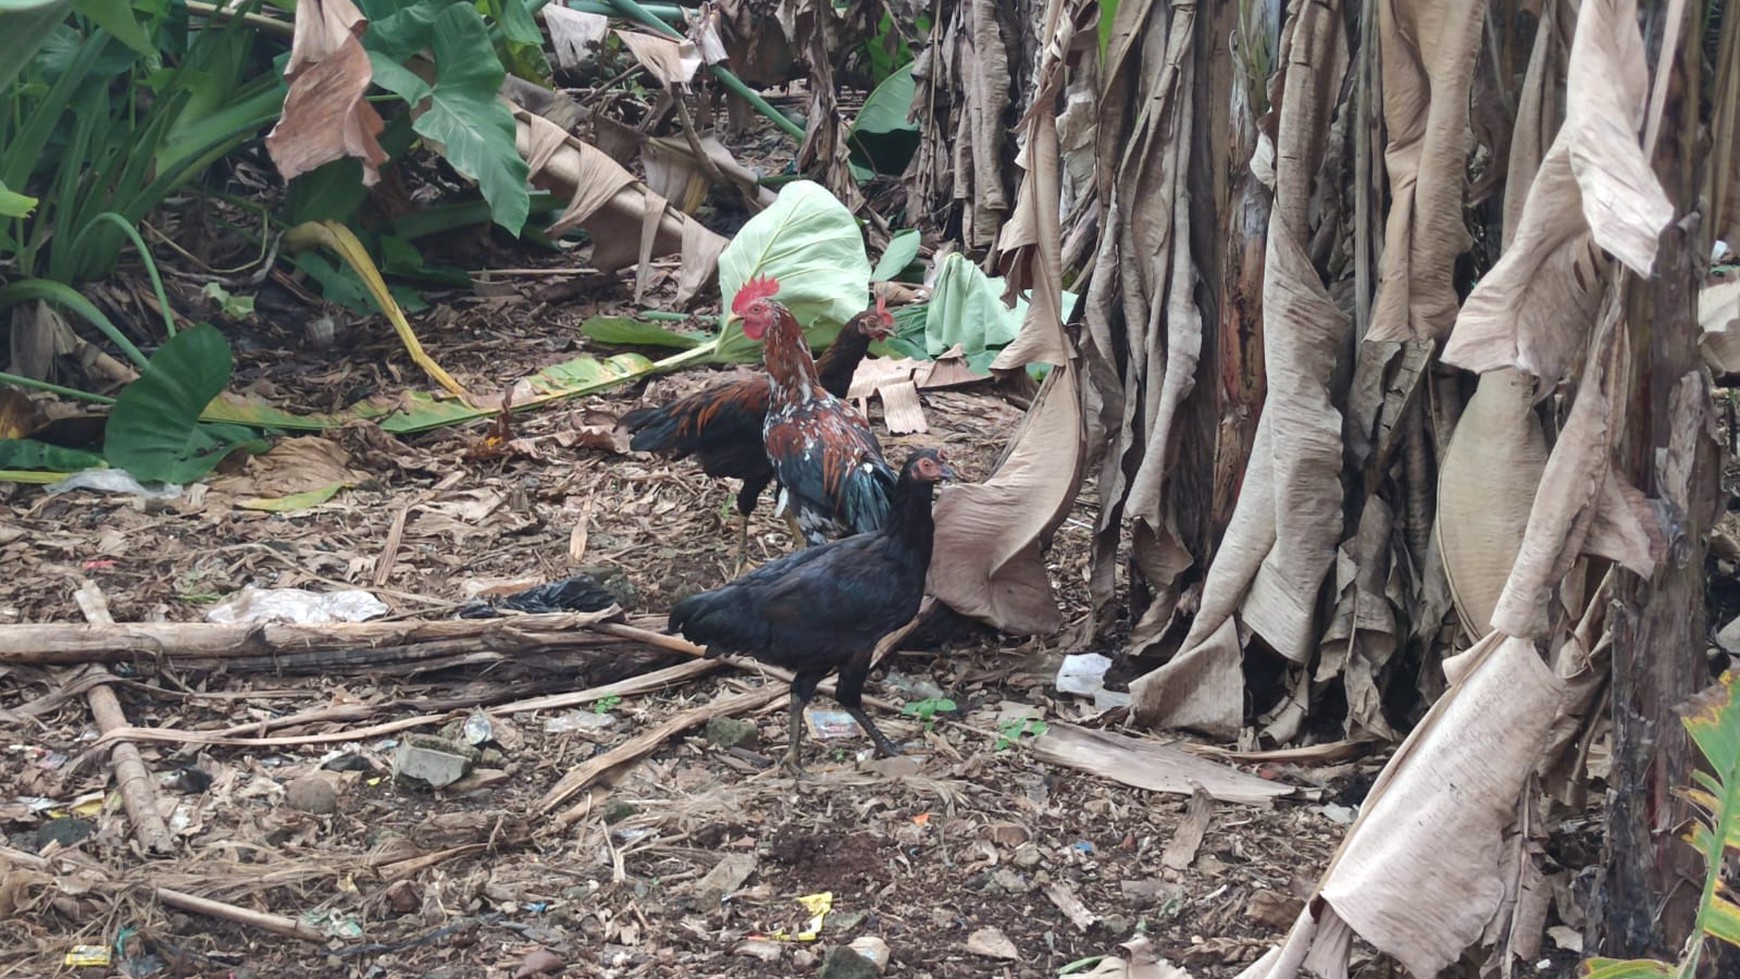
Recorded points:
1010,732
95,127
901,251
1712,719
606,704
927,709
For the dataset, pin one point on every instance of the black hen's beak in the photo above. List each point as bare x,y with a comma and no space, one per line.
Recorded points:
949,475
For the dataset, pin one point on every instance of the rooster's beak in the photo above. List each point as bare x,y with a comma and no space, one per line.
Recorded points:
949,475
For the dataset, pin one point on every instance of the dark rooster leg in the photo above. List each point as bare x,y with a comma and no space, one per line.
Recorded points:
850,693
803,687
742,544
747,497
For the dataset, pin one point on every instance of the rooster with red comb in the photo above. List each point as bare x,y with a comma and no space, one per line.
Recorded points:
833,481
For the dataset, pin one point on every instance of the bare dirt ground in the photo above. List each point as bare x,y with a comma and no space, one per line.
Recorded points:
474,880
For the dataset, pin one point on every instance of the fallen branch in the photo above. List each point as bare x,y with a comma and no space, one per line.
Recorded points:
196,644
277,924
132,779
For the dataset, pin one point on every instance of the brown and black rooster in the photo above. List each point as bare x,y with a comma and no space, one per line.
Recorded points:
721,426
824,608
832,479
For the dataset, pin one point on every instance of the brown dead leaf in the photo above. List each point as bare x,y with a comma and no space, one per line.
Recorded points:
1428,56
291,466
988,561
326,116
1486,487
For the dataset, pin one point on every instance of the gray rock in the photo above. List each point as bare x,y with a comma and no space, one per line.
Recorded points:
843,962
730,732
435,762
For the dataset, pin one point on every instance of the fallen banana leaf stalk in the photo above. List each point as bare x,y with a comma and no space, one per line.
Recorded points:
344,244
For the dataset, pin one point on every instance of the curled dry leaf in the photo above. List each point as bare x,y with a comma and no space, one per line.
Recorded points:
325,115
1486,487
1595,190
617,210
575,36
670,61
988,561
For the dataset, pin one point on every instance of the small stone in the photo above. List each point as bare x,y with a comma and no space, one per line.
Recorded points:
1009,882
732,732
803,958
403,897
1010,834
726,876
992,944
843,962
435,762
312,793
872,948
1026,856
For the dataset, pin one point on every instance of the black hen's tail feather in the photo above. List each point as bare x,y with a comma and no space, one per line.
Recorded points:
654,429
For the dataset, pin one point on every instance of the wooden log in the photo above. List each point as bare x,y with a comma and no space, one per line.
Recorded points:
176,643
138,787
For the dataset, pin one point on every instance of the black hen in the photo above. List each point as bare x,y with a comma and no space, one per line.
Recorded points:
722,425
824,608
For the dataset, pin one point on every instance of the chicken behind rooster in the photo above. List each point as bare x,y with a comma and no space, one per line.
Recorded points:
721,426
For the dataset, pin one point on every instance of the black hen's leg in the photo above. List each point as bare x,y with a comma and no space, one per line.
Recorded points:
803,687
746,500
850,693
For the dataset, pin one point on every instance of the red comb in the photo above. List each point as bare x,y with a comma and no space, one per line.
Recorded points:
881,306
757,288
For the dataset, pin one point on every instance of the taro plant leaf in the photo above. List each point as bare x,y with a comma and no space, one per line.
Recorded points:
154,431
31,454
882,135
522,40
901,250
810,242
625,331
475,132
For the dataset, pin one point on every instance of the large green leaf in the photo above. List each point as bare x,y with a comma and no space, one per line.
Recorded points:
154,431
966,307
400,31
31,454
882,135
810,242
474,130
901,250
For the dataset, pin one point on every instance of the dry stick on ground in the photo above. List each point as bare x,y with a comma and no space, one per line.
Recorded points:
277,924
132,779
64,643
645,683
